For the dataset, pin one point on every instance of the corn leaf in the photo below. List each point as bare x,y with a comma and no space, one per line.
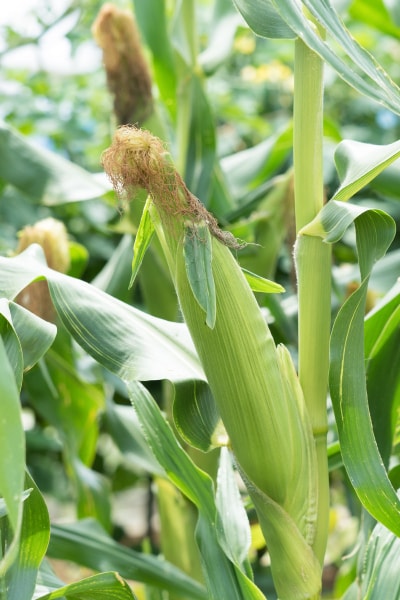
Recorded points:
378,575
142,241
128,342
375,13
123,426
359,69
35,535
197,250
224,578
382,354
261,284
233,527
361,457
87,544
358,163
264,19
104,586
156,36
196,416
43,175
12,463
223,24
11,342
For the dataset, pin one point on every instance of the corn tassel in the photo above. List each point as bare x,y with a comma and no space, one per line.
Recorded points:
254,383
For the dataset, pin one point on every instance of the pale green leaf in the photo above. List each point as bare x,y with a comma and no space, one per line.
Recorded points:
130,343
358,163
264,19
359,69
142,240
233,527
104,586
12,460
197,249
375,14
196,416
43,175
382,354
156,35
261,284
224,578
378,577
123,426
35,535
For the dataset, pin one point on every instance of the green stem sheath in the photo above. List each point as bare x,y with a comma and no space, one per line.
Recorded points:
313,263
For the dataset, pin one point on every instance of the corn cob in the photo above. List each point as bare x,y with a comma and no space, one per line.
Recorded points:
254,383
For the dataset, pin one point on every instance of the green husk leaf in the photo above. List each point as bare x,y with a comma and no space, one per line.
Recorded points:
142,241
197,250
196,416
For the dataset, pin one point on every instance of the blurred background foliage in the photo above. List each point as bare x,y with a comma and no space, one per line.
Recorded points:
53,91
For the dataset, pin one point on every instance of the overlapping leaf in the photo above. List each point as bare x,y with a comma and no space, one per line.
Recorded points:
359,68
130,343
88,544
361,457
35,535
42,174
224,578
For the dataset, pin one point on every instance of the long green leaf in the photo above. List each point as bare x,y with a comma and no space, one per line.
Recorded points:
142,240
232,522
382,353
35,535
361,457
264,19
152,20
12,463
224,578
360,69
86,543
104,586
128,342
197,249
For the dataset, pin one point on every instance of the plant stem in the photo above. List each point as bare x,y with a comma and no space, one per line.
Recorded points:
313,262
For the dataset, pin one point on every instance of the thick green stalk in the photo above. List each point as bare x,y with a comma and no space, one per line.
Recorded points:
313,262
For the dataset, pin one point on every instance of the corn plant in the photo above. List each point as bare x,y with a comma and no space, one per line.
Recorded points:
240,423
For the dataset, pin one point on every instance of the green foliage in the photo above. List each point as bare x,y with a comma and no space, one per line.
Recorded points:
122,385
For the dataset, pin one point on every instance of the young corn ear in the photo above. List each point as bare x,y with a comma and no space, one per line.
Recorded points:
254,383
52,236
128,74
